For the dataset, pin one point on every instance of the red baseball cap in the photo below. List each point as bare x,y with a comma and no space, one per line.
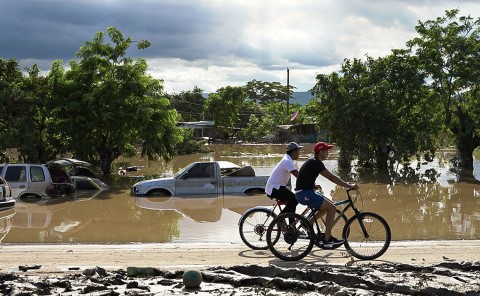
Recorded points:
321,146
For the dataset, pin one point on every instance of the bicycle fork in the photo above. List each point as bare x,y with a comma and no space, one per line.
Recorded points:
359,217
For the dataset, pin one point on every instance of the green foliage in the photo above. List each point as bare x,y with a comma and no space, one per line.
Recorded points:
11,80
265,109
448,50
267,92
189,145
189,104
265,123
374,110
258,127
118,106
224,106
29,104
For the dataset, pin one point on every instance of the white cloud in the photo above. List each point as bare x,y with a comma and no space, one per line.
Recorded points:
215,43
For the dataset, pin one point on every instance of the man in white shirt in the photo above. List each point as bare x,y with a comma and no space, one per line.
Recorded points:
276,187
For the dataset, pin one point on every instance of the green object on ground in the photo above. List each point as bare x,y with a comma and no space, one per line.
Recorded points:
192,278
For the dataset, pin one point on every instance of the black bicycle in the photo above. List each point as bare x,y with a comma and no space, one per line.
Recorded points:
253,224
367,235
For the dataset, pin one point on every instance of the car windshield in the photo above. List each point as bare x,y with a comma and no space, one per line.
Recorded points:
184,169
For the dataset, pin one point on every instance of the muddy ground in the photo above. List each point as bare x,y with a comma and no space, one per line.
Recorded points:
408,268
448,278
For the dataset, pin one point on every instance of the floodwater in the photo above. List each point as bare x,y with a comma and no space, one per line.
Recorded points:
446,208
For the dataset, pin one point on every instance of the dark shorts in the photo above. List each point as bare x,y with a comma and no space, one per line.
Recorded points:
284,194
310,198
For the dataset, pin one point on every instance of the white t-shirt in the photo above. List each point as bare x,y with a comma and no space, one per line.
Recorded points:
280,174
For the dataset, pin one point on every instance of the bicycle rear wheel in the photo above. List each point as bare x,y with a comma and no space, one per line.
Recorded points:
337,229
367,236
290,242
253,227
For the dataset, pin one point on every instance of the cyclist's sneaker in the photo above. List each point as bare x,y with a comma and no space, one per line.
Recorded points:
320,237
333,242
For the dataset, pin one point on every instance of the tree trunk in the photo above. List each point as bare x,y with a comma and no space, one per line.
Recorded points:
467,141
106,159
465,146
381,159
345,159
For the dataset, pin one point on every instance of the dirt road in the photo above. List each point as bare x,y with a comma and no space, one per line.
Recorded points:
61,258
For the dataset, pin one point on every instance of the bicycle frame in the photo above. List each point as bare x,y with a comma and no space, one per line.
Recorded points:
349,204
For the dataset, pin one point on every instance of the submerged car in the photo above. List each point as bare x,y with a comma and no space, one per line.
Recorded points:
33,182
6,199
80,173
203,178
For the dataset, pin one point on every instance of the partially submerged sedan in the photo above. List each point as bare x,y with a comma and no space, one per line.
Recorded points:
81,175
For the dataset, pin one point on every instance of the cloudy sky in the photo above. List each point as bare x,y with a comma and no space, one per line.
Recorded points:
215,43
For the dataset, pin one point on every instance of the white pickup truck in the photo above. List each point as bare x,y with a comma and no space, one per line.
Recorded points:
199,178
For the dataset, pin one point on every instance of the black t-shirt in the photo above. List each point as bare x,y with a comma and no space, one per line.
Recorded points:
308,174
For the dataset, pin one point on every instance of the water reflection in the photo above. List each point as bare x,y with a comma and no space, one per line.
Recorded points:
441,204
428,211
5,222
203,208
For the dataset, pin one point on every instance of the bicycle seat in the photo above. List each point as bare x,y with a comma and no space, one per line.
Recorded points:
279,202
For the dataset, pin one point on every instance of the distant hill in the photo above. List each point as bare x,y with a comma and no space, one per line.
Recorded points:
301,97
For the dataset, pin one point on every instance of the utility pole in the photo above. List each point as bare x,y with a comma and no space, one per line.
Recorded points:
288,91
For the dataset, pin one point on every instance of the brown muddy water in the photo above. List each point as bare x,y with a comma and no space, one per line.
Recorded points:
446,208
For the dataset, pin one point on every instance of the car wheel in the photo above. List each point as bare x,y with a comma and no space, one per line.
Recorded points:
30,198
158,192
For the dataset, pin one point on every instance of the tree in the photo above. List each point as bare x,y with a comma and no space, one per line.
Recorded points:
448,49
11,80
29,122
266,92
224,106
38,137
189,104
375,110
113,106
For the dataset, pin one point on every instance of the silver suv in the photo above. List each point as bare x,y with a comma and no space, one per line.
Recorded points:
32,182
6,200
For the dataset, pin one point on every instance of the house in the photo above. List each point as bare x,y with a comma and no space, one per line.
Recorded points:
305,132
201,129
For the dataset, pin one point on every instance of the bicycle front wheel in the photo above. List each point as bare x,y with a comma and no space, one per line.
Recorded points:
367,236
290,242
253,227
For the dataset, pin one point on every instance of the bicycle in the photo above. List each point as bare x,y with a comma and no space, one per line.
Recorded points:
254,222
367,235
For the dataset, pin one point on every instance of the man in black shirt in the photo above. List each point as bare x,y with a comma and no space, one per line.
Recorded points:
306,194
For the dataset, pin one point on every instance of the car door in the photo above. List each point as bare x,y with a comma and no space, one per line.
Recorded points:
16,176
198,180
38,180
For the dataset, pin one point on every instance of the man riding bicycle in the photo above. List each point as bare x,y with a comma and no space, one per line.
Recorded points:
276,187
306,194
